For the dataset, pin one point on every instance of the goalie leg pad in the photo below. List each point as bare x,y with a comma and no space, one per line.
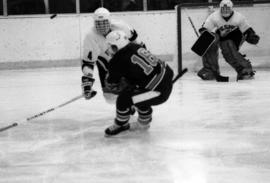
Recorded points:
210,63
234,58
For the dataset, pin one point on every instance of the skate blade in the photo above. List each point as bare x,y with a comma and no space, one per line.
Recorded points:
117,135
128,133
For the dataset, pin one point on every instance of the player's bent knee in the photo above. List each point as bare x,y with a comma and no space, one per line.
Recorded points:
110,98
124,100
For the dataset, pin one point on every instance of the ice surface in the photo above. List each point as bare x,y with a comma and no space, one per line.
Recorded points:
207,132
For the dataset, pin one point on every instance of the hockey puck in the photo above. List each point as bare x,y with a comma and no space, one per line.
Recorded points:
53,16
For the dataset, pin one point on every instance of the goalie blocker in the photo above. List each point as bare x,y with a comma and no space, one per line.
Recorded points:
203,43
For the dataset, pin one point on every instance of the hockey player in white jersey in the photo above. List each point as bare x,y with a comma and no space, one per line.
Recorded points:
95,51
231,30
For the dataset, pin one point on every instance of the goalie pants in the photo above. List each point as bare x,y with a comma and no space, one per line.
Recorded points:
231,55
143,99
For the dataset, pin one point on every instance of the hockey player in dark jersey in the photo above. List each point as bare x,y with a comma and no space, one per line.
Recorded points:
149,82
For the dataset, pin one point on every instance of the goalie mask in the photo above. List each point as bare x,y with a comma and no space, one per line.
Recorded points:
102,21
117,40
226,8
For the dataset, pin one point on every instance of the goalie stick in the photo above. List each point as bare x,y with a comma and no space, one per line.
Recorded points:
191,22
45,112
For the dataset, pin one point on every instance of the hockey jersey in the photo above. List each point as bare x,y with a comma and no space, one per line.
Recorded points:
215,21
138,66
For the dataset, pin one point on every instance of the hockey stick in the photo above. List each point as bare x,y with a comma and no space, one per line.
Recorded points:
45,112
179,75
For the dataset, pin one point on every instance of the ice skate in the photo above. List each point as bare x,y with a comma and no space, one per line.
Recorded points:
140,124
115,129
144,120
134,126
246,75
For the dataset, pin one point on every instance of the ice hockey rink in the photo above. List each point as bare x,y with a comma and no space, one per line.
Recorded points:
207,132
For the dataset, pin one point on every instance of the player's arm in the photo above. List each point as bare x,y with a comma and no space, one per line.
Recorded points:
249,33
209,24
87,78
87,65
114,73
114,82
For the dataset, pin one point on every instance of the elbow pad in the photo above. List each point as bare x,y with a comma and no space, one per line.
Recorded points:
251,36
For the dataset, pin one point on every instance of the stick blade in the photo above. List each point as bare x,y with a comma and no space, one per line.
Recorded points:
180,75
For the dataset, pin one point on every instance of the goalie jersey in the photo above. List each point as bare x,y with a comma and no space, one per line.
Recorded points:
138,66
216,22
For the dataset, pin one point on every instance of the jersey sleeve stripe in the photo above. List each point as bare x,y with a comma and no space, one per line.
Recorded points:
157,78
145,96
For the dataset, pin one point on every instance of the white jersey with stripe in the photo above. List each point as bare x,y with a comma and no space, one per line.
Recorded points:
216,21
95,45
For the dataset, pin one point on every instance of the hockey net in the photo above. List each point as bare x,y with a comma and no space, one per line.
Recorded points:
190,18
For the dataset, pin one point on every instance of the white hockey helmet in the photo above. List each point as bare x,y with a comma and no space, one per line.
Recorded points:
117,40
226,8
102,20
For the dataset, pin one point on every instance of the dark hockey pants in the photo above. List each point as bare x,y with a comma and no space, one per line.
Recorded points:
142,99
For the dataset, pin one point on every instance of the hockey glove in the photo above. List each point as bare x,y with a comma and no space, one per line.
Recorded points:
202,29
116,88
251,36
87,83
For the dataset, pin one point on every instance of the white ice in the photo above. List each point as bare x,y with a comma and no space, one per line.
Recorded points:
207,132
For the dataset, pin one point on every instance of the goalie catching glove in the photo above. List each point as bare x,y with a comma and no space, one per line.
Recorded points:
251,36
87,83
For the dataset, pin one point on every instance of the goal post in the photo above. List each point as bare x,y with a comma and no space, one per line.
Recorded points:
179,11
190,17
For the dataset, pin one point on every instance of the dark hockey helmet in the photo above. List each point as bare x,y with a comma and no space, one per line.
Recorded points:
102,20
226,8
